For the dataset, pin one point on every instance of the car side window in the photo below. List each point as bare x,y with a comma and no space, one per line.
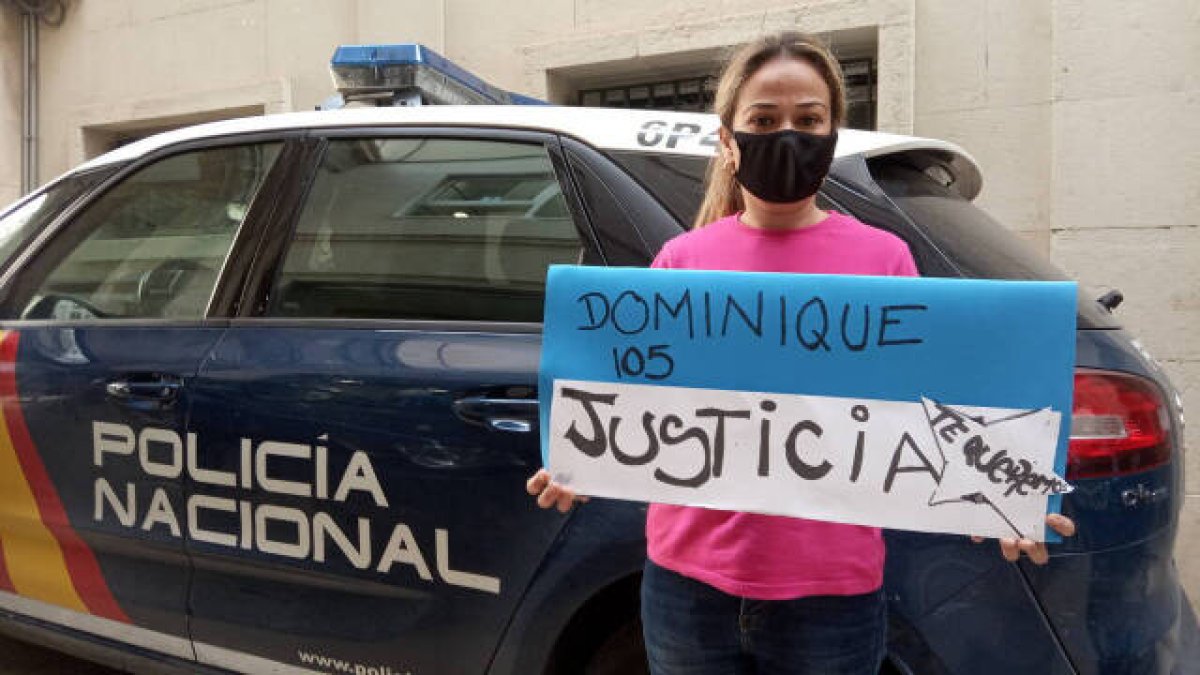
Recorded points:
427,228
153,245
21,224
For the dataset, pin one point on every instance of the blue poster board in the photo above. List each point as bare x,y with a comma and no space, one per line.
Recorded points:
996,344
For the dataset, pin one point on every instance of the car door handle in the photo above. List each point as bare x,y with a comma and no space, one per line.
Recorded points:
515,415
145,388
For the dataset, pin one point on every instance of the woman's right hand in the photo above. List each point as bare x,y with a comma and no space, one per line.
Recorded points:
549,493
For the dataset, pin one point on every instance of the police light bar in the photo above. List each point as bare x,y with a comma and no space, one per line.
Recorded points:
411,74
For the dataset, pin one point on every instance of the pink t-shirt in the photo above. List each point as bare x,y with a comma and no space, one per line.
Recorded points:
760,556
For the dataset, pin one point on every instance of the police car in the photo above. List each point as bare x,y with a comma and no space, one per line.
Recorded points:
269,401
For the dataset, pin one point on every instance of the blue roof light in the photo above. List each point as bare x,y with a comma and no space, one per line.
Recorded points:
411,74
522,99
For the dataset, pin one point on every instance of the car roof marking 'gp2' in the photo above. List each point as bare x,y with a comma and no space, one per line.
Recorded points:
47,560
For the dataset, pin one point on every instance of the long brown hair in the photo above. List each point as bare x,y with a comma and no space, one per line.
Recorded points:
722,197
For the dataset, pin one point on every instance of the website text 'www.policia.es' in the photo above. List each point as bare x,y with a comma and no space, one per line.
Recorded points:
333,665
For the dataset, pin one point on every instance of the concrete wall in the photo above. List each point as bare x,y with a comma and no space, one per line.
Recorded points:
983,80
1126,186
629,37
1085,114
10,107
113,67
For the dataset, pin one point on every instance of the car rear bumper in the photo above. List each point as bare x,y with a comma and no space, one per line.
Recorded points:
1121,610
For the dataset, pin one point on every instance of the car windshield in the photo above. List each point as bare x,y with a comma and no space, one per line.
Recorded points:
978,246
676,180
20,223
975,243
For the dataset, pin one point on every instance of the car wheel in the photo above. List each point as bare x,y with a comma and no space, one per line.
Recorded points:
622,653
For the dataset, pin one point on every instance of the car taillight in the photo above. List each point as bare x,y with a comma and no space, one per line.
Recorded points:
1119,425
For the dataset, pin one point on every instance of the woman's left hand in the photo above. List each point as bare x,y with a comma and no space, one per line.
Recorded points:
1012,548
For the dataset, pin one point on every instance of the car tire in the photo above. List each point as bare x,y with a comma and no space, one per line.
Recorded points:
621,653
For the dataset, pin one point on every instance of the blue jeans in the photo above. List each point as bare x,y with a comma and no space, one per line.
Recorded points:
692,628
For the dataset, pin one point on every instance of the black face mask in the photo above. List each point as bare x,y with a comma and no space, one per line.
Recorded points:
784,166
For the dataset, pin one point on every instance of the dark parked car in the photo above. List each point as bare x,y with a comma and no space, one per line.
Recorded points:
253,373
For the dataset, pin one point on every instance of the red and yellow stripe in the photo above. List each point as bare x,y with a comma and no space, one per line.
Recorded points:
41,556
6,583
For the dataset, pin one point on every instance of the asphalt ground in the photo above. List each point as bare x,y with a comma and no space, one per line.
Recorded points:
20,658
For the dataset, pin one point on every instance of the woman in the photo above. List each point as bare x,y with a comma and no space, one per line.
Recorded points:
727,592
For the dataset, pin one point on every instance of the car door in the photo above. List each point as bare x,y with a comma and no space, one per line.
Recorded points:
103,327
372,420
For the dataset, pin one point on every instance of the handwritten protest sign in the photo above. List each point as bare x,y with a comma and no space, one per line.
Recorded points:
925,404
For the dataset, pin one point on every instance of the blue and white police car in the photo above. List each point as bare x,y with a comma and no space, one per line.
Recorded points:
268,402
